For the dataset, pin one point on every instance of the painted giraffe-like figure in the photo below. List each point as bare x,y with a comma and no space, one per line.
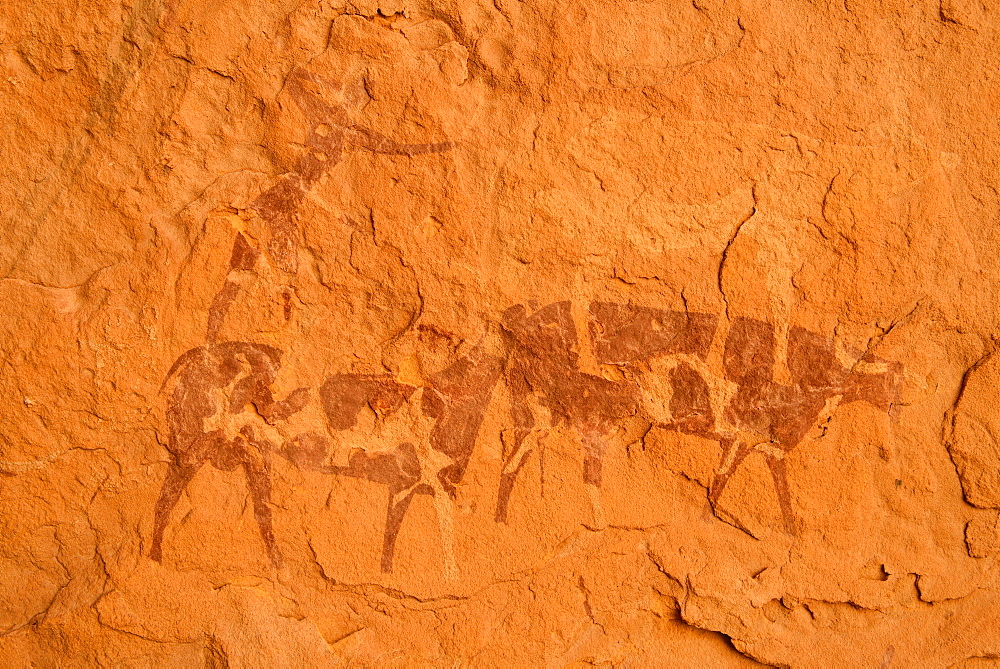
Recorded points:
329,132
211,381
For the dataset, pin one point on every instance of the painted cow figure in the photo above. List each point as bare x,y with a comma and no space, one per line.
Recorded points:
543,373
774,418
410,461
738,403
221,411
745,408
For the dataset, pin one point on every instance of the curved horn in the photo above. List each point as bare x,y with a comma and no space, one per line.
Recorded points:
864,367
844,354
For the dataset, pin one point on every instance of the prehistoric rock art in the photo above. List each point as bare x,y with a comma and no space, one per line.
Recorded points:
454,399
213,380
221,410
542,371
329,131
629,337
265,208
344,396
774,418
744,408
238,200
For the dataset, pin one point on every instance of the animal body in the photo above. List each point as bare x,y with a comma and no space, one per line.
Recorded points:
452,403
221,411
542,370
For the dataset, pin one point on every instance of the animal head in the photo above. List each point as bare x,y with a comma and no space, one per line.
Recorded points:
306,102
876,381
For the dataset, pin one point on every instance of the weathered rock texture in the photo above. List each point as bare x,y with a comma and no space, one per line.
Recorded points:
461,333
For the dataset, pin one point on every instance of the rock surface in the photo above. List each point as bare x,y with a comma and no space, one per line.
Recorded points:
442,333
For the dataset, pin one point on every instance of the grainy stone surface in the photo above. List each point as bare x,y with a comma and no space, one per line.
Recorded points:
499,333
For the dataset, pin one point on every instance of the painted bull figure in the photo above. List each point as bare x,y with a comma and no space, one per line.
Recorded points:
774,418
542,371
452,403
221,411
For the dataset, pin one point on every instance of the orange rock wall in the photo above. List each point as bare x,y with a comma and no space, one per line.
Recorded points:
501,333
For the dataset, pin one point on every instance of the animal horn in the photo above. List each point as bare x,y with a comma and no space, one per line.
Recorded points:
872,367
845,355
853,359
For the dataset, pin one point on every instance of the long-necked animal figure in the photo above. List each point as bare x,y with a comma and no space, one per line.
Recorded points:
328,132
221,411
207,414
453,403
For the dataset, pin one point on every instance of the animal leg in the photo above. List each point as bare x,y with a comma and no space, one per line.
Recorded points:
779,472
524,422
399,502
259,482
733,454
508,475
177,480
220,307
593,463
445,511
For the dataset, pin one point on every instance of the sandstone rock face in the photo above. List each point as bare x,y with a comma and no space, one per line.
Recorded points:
431,333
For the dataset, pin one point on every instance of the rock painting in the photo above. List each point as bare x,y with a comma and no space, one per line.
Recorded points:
453,400
543,372
741,405
328,132
718,383
221,409
773,418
